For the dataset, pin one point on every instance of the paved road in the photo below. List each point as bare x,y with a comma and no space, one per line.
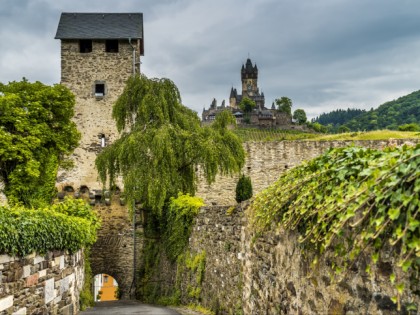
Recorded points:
127,307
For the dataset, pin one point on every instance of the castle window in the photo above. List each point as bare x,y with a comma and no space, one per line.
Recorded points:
99,89
85,46
103,140
111,45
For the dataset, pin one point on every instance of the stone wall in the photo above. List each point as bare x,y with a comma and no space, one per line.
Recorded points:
218,231
41,284
279,279
270,274
265,161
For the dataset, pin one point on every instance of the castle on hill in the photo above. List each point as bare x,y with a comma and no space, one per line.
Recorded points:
260,116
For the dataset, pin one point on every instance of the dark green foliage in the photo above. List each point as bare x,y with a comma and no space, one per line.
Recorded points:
69,225
247,105
409,127
338,117
165,144
316,126
300,116
343,129
353,201
243,188
36,131
284,105
390,115
86,295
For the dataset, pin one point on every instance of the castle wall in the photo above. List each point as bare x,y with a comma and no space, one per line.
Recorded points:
41,284
265,161
93,115
270,274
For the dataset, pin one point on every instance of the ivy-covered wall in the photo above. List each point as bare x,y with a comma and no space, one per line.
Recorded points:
41,284
252,275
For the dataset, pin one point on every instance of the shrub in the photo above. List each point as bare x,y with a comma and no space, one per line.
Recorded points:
243,188
70,225
409,127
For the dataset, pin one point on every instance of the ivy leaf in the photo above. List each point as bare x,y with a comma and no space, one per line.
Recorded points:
392,278
400,288
394,213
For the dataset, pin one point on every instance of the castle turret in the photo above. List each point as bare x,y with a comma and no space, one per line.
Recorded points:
249,77
233,98
99,52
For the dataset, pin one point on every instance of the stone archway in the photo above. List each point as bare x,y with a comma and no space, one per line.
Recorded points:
105,288
113,252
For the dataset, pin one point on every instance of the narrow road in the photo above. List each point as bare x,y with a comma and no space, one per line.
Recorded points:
127,307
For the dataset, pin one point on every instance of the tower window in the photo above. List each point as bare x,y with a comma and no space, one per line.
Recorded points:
111,45
103,140
85,46
99,89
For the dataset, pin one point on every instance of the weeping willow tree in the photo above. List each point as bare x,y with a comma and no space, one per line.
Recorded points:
162,144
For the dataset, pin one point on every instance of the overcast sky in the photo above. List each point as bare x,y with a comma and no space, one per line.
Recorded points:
323,54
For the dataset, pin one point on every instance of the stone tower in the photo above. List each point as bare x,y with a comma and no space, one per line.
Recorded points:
249,77
99,52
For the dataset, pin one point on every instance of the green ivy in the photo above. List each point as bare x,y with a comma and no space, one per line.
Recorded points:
70,225
350,200
86,295
181,213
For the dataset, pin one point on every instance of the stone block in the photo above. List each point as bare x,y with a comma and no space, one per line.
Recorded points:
32,280
6,302
42,273
59,261
38,259
5,259
49,292
26,271
21,311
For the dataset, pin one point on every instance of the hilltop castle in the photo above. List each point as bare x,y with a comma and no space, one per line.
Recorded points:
260,116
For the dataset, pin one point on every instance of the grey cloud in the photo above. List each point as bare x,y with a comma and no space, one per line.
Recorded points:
323,54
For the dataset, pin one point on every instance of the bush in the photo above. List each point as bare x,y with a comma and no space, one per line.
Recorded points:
409,127
70,225
243,188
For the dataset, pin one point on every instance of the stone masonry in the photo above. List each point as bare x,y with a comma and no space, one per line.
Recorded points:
270,274
112,253
265,161
41,284
93,115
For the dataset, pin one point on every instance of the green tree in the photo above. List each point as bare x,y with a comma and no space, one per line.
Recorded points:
36,131
343,129
284,105
300,116
162,144
247,105
409,127
243,188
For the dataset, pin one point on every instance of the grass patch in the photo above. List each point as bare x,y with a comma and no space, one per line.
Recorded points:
262,135
265,135
370,135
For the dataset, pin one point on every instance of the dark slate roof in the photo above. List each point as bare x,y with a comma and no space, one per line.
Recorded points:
100,26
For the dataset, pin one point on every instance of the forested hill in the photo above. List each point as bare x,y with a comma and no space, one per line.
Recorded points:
390,115
338,116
